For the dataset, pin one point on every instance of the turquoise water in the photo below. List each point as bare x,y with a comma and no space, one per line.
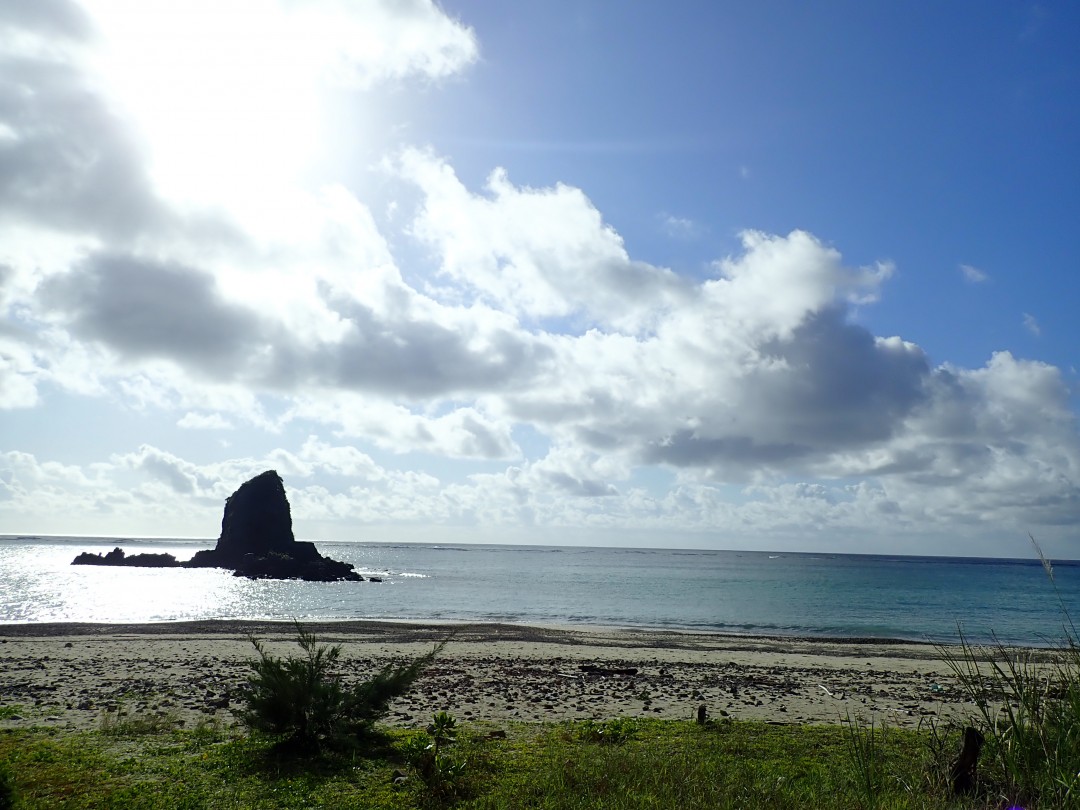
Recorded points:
838,595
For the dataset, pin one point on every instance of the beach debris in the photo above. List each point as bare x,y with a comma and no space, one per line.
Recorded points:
964,769
593,669
826,691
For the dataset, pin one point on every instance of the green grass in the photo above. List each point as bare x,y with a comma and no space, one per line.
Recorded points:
205,768
636,764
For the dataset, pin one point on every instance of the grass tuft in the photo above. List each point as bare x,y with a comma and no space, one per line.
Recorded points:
866,750
122,723
1028,709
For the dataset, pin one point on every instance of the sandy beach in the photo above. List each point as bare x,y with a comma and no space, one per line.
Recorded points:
70,675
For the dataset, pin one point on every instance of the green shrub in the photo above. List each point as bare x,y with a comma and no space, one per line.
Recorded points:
442,773
305,701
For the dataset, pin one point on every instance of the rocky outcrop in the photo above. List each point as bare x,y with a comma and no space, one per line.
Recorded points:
118,557
256,541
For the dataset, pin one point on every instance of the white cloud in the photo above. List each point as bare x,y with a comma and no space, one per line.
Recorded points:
204,421
340,460
990,446
537,253
180,476
228,93
759,369
973,274
18,372
390,40
1032,325
464,432
777,281
679,227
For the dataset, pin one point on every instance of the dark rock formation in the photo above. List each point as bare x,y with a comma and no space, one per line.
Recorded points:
118,557
258,521
256,541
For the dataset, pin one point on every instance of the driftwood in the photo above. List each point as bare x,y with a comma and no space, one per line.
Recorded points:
965,767
593,669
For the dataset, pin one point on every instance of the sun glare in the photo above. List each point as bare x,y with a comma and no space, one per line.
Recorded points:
225,95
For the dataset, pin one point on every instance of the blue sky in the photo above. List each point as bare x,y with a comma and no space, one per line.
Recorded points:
731,275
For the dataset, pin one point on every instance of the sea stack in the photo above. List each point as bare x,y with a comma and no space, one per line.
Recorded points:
257,538
256,541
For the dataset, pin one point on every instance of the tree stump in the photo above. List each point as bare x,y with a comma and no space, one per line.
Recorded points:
965,767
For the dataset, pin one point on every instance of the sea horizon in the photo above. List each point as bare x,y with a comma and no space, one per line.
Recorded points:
139,538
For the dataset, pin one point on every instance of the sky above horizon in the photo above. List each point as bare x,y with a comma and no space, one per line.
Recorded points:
725,275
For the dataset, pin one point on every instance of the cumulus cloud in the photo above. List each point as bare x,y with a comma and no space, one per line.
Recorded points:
391,40
537,253
464,432
759,368
66,161
994,445
177,474
420,350
54,17
143,308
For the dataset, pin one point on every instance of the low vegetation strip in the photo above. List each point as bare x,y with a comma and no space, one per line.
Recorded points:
636,763
620,763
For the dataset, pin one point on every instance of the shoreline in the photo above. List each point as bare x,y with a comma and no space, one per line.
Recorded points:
229,626
70,675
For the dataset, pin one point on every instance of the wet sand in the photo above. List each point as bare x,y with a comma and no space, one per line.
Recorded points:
70,675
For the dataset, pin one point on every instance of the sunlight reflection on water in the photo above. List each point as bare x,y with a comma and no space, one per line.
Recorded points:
51,589
41,585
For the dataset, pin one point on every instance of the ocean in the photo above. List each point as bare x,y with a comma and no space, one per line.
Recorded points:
756,593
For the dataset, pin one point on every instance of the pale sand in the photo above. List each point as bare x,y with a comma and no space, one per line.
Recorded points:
69,675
